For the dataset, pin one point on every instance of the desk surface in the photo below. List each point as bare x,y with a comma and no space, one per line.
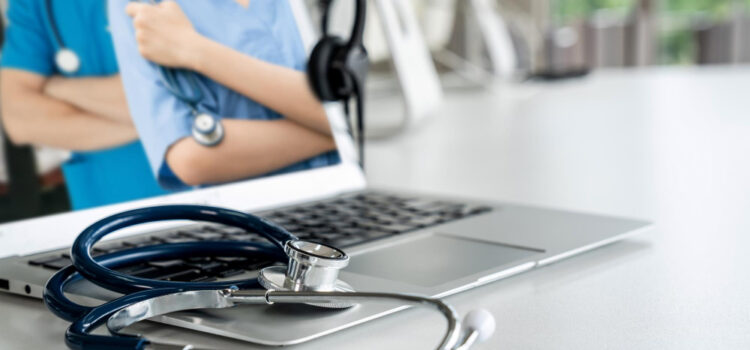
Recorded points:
670,145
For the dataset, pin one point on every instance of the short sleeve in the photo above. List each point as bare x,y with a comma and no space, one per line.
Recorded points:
160,118
28,45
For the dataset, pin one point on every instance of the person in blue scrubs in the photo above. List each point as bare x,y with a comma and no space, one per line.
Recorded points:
84,112
250,60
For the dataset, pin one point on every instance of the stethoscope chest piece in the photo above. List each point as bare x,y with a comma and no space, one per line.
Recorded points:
312,267
67,61
207,130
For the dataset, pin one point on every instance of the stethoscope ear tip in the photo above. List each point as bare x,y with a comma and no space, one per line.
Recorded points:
480,321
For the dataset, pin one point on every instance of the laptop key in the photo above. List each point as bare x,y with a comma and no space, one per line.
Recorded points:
138,242
210,267
232,261
58,263
172,240
183,276
203,279
43,260
110,247
231,273
203,236
258,265
144,271
398,228
168,265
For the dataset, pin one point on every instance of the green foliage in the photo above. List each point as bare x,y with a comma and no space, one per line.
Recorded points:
575,9
677,45
712,7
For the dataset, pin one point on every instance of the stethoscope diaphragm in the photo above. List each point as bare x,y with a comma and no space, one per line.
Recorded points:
67,61
207,130
313,267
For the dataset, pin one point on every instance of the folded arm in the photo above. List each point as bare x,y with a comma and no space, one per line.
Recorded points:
32,117
271,85
102,96
165,36
250,148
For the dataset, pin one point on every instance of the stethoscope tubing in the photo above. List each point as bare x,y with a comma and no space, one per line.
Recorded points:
172,84
60,305
124,283
141,292
100,271
78,335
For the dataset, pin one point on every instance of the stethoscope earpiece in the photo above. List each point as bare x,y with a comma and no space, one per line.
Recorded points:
478,325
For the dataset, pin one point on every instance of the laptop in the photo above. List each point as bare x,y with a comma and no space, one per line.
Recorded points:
398,242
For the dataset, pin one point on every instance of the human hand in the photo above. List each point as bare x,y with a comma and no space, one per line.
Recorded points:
164,34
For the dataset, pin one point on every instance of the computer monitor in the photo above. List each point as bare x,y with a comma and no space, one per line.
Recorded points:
54,230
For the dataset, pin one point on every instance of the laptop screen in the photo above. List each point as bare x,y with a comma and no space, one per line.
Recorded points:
143,146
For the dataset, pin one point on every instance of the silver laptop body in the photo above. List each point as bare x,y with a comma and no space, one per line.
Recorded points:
439,261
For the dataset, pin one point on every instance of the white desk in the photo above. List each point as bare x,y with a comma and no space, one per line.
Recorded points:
671,145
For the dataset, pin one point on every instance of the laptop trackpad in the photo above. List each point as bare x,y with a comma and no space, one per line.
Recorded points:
436,259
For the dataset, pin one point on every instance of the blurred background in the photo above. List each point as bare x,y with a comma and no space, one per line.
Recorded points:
564,34
513,40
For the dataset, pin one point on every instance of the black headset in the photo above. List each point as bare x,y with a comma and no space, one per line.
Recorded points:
337,68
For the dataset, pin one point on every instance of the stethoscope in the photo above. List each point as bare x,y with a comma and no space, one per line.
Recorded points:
310,277
206,128
66,60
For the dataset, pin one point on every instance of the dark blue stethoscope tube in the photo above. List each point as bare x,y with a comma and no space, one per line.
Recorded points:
123,283
59,304
100,271
85,319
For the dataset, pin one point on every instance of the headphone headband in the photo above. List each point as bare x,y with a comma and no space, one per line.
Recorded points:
358,29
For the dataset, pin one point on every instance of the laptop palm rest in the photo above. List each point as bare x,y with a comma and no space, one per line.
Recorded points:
424,263
433,260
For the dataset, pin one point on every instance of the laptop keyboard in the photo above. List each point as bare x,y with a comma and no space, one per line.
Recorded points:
341,222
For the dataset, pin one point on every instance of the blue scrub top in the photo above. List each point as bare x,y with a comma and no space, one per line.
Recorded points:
266,30
93,178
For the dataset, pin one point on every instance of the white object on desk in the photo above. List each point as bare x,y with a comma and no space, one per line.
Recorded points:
496,38
485,49
417,75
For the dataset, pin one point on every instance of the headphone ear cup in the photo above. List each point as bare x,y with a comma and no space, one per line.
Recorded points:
325,81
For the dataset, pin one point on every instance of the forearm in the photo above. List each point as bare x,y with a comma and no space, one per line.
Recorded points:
30,117
281,89
103,96
55,125
250,148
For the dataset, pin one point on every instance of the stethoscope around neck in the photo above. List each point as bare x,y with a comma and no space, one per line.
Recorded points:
309,277
206,129
66,60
